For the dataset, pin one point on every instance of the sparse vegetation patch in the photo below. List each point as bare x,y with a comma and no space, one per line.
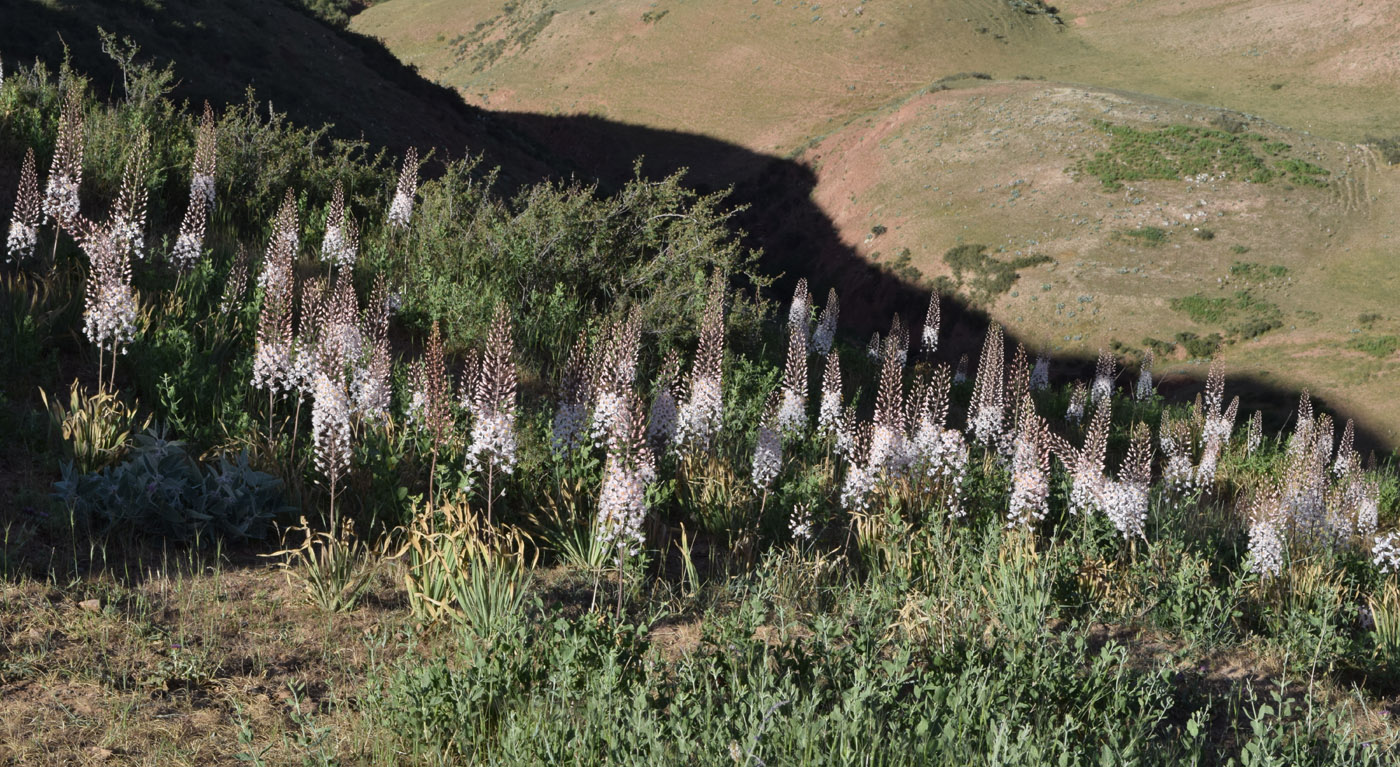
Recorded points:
1150,236
987,277
1255,272
1376,346
1242,315
1186,152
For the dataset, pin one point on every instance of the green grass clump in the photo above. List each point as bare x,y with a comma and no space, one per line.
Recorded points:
1178,151
1376,346
1199,347
1242,315
1201,309
1256,272
1150,236
1303,172
987,277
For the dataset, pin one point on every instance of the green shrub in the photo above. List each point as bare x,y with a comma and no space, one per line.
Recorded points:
1198,347
162,491
988,277
1149,235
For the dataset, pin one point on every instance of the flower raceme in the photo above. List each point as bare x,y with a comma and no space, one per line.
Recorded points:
28,214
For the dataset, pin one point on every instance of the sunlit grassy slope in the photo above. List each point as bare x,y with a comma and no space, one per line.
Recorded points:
914,150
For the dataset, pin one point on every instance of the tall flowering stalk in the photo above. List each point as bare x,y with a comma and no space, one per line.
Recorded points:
401,207
1030,472
1267,544
109,318
960,372
702,413
829,412
1040,373
571,418
1018,385
622,506
899,337
988,407
128,221
273,354
799,312
1254,434
330,428
768,453
1176,441
370,379
1143,391
1126,500
28,214
336,242
1215,435
1104,371
939,453
430,408
1087,471
615,373
1303,499
825,334
66,171
661,422
493,445
206,158
932,320
236,284
1346,451
1078,400
791,417
860,478
282,246
189,244
888,448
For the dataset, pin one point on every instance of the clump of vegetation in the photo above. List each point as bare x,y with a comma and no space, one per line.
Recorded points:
1255,272
1150,236
1304,172
1389,148
1199,347
162,491
1183,151
1159,347
1243,315
1376,346
987,277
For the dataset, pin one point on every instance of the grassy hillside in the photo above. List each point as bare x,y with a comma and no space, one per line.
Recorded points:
1289,269
770,73
923,127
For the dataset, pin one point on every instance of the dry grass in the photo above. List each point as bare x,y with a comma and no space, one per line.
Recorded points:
168,665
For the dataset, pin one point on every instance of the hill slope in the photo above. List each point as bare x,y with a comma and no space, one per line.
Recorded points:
928,126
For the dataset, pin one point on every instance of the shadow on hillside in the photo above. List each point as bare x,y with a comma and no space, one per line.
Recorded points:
218,61
799,239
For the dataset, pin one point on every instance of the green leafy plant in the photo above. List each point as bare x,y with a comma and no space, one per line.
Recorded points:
162,491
